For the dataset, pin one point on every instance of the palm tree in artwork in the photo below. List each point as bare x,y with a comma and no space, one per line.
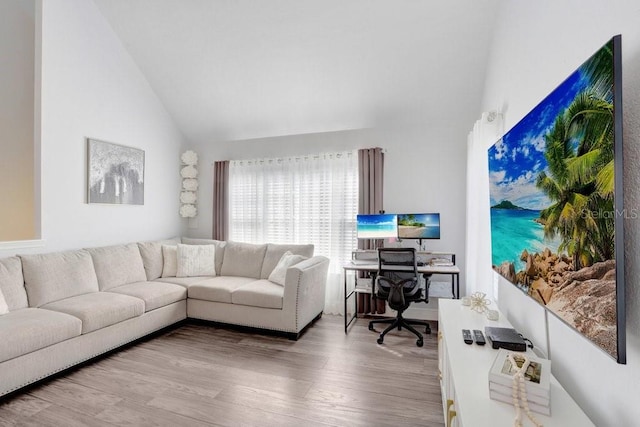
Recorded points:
580,183
566,215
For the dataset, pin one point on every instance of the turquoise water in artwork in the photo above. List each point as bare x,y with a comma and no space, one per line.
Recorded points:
513,231
377,231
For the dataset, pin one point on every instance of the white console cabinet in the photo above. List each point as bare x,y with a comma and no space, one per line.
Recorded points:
464,377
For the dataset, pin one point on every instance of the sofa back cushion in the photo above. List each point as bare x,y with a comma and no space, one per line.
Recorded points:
170,257
152,258
4,308
12,283
118,265
220,245
59,275
274,254
243,259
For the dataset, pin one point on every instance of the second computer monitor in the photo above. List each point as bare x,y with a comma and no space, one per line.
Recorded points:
419,226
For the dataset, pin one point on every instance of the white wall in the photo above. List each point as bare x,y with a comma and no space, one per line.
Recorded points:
536,46
17,50
92,88
424,170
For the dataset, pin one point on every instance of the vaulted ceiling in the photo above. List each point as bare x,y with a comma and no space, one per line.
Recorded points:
239,69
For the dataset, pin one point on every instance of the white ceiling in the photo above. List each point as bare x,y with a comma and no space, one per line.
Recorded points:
239,69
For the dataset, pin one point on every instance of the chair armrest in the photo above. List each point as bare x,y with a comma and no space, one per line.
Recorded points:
304,289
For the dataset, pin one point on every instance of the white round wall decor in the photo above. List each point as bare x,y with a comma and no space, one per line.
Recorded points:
188,211
188,197
189,157
188,194
190,184
189,172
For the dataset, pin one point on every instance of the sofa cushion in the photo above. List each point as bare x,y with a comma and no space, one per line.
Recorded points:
12,283
154,294
243,259
59,275
220,246
99,309
4,308
29,329
170,260
118,265
261,293
151,253
274,254
279,274
218,288
183,281
196,260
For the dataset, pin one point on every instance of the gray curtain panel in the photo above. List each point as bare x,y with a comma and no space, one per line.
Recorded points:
371,180
221,200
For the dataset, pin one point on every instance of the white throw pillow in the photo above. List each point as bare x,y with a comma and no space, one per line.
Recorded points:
170,260
4,308
279,273
196,260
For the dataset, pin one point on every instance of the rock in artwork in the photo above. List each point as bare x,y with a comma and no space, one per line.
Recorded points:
116,173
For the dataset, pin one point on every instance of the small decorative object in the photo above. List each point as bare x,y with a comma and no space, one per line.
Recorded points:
115,173
189,158
523,380
188,197
493,314
519,391
189,172
188,211
466,301
190,184
478,302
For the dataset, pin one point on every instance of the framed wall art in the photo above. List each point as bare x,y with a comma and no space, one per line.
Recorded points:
115,173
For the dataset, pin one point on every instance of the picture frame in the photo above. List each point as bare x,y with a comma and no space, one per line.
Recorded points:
115,173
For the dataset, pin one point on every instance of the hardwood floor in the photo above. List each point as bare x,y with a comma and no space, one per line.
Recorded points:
199,375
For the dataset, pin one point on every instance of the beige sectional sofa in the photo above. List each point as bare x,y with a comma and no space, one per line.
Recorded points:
60,309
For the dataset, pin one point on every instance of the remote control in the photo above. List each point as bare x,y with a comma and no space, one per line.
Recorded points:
479,337
466,335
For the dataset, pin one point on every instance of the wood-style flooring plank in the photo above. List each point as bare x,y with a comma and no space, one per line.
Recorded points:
199,375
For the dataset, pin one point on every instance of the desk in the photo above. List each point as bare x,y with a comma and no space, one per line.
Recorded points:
452,270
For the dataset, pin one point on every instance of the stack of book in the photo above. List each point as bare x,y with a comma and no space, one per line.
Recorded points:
536,380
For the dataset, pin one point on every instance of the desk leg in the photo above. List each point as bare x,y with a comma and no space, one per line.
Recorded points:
455,285
348,319
346,323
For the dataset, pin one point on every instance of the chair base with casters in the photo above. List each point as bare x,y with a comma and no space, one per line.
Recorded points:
399,322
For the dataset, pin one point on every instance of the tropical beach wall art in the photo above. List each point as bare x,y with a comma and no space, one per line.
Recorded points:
556,202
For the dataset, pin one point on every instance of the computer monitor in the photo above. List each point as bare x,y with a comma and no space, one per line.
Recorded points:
419,226
381,226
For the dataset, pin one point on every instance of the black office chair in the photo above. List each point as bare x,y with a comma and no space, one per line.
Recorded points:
397,283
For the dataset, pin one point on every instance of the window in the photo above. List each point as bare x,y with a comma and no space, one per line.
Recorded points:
306,199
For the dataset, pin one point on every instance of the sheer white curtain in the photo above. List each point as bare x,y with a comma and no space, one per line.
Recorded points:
304,199
479,274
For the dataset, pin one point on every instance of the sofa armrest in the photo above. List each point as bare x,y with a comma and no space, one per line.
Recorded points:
304,289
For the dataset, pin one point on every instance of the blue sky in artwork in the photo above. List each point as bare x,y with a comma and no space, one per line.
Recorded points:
378,219
518,157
